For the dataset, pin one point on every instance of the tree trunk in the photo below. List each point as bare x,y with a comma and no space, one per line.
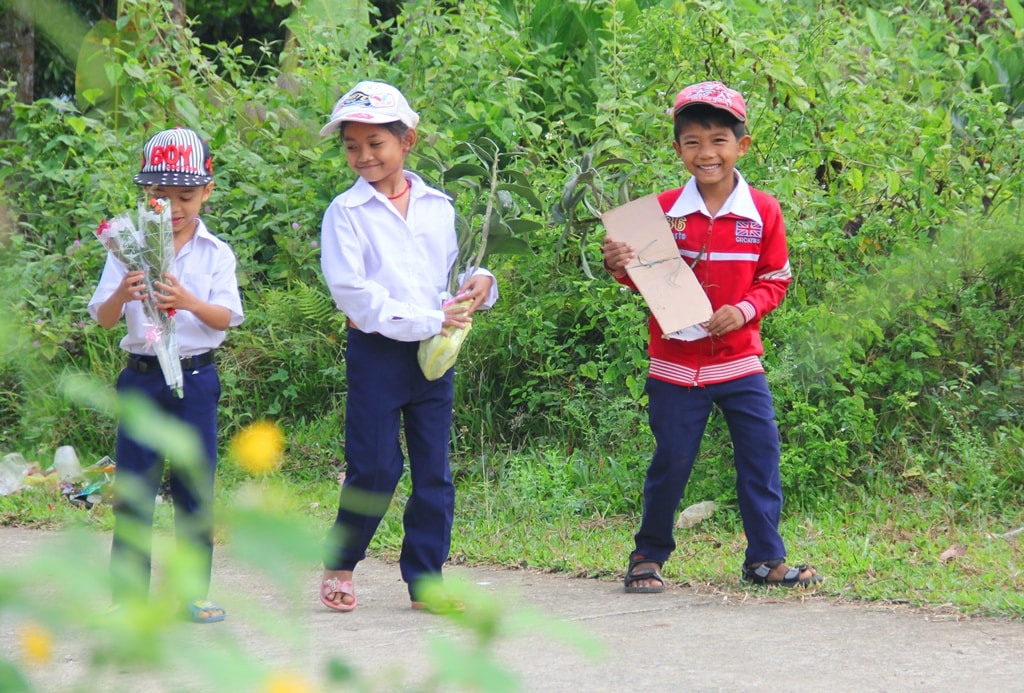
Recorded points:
17,62
178,13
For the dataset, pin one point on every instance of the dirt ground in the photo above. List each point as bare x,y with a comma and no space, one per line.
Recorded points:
680,640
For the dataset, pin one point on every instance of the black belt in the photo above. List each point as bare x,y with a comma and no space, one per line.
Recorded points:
144,364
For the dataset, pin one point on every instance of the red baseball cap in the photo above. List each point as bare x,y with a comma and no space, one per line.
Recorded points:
713,94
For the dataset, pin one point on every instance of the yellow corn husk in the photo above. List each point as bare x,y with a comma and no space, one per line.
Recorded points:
438,353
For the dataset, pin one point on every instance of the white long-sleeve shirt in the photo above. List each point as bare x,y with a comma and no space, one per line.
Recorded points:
388,274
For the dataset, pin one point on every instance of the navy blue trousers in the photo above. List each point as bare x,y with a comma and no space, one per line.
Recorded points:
139,473
678,417
387,389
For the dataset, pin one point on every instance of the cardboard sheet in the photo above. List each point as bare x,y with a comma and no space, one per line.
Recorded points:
666,282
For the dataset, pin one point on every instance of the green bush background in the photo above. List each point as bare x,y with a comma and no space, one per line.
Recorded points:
890,135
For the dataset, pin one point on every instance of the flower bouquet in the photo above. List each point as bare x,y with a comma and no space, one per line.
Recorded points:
149,246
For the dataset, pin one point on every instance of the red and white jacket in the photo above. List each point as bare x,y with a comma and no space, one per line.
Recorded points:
740,258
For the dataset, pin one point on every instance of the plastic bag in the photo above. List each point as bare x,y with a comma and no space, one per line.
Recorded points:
65,461
437,354
13,469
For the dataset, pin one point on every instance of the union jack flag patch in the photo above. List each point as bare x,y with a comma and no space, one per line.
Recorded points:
748,231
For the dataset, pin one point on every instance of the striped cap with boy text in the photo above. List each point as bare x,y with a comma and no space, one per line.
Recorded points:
176,158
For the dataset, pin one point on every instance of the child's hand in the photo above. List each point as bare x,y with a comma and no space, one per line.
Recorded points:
456,315
133,287
617,256
725,320
172,294
476,289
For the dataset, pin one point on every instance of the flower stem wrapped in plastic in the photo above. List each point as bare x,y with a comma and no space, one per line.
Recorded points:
489,226
438,353
149,246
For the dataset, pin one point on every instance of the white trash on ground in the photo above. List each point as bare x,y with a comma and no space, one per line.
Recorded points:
696,513
65,461
13,469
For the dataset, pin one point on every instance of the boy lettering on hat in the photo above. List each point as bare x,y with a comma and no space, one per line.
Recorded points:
733,237
388,244
202,292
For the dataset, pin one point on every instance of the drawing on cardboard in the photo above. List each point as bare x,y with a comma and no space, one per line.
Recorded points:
666,282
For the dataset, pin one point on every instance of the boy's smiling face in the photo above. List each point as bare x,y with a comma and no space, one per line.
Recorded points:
710,154
186,203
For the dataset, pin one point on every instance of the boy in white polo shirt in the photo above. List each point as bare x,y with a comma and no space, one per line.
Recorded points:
201,293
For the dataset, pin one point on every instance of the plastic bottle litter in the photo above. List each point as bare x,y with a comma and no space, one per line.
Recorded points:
696,513
13,469
104,465
65,461
88,496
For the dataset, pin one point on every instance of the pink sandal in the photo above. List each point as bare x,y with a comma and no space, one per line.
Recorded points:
334,586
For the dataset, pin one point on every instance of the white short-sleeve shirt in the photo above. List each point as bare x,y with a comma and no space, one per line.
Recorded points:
206,267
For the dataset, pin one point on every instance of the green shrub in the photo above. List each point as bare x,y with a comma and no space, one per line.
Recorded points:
885,134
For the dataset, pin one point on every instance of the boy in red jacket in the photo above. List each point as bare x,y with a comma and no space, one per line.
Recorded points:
734,239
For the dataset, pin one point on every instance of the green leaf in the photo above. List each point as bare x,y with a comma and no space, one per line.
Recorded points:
134,71
523,226
568,194
77,124
613,161
1016,10
187,110
511,175
880,26
12,680
508,245
466,169
279,545
589,370
523,191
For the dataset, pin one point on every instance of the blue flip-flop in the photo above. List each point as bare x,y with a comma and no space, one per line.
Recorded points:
195,609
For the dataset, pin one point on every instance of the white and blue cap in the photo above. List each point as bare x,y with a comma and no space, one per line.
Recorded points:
177,158
371,102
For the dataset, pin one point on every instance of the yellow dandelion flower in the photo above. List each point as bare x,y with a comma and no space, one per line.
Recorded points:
258,447
287,682
37,643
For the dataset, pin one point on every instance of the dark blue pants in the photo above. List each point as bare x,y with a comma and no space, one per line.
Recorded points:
140,471
386,388
678,417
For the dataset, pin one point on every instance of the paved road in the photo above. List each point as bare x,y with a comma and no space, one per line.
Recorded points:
681,640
